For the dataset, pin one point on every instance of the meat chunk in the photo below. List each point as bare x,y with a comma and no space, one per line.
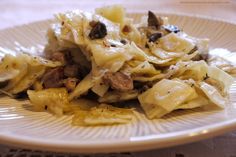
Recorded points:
63,57
70,83
53,78
58,56
71,70
118,81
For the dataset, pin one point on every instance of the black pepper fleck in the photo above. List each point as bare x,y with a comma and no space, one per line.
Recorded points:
206,77
123,41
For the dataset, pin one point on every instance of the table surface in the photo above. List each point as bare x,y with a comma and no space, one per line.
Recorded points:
16,12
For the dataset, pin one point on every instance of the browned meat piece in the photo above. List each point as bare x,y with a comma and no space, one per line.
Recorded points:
58,56
70,83
71,70
53,78
118,81
64,57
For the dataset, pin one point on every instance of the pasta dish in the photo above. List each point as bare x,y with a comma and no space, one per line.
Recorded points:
94,64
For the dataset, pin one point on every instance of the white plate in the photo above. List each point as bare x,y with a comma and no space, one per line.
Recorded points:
22,127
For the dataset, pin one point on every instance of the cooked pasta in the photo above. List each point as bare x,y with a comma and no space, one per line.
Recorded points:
94,61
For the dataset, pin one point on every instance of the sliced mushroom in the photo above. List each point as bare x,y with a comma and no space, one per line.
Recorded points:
155,36
98,30
154,21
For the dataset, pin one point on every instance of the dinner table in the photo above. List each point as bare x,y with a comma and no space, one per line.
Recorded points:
18,12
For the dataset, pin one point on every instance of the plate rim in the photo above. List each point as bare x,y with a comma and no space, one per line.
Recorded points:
135,12
150,141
